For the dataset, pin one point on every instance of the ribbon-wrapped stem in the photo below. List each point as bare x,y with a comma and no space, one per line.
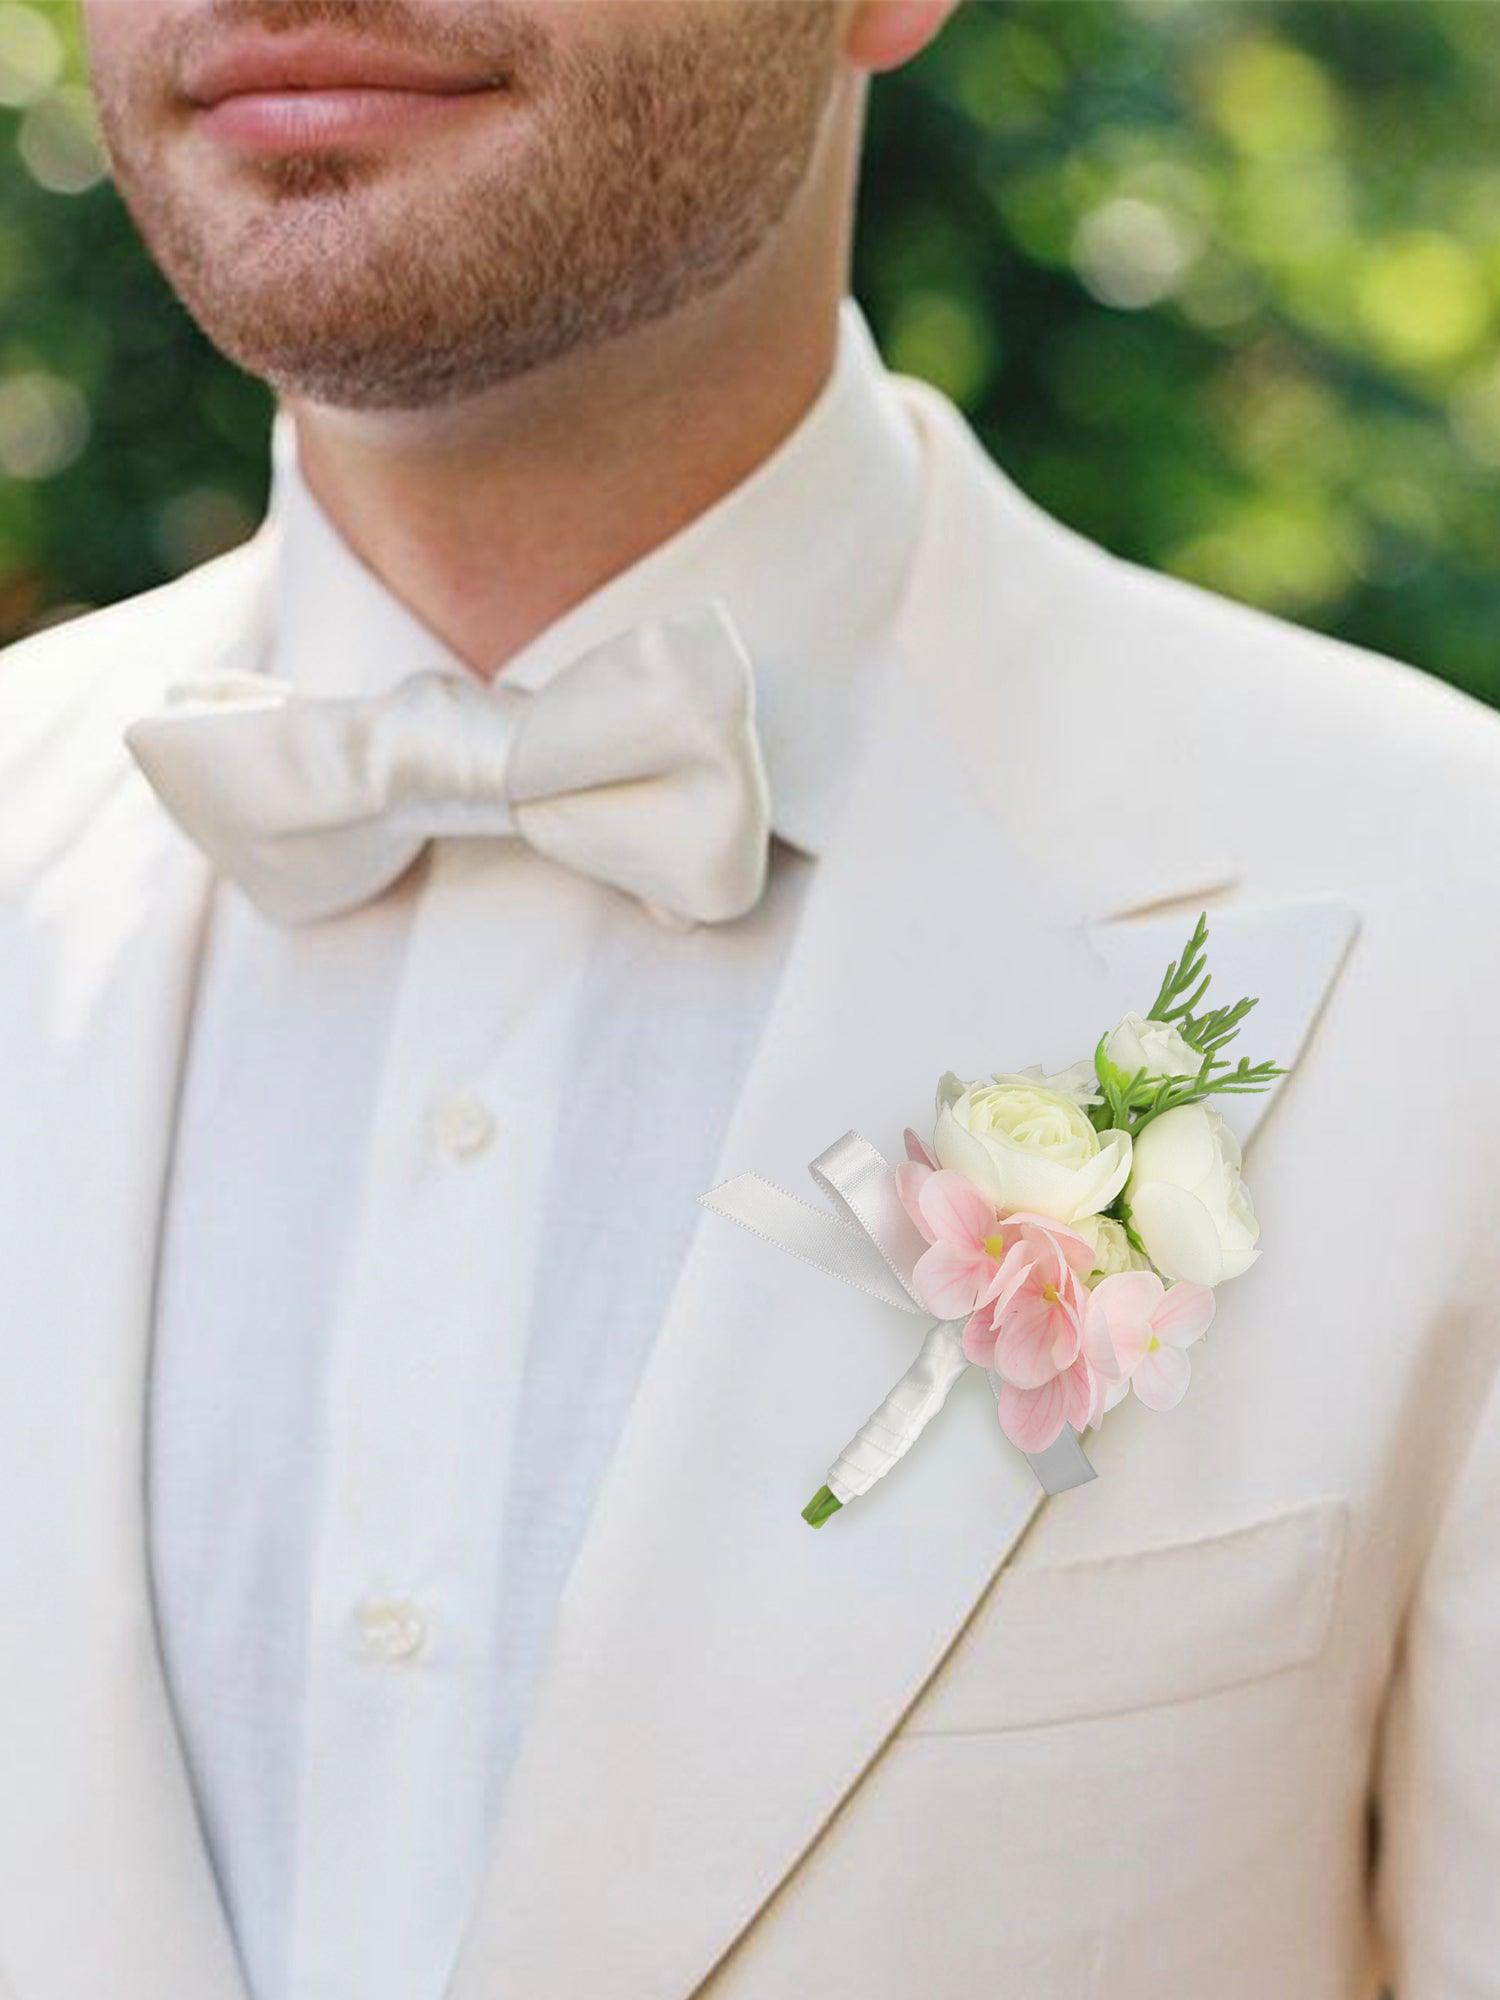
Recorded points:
891,1431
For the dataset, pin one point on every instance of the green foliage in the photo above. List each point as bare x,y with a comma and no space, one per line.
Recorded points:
1186,979
1132,1101
129,450
1217,280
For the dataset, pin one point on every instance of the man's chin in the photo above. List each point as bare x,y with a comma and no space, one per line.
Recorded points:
355,359
356,326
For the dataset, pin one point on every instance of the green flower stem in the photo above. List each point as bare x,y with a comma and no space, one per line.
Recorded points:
818,1509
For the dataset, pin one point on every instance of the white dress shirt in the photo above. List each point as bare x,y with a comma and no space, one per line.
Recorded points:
362,1514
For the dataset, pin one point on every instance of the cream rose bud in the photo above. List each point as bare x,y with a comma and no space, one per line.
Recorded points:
1028,1147
1187,1202
1112,1252
1153,1046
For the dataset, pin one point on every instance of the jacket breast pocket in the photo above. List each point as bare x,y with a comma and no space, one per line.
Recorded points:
1163,1623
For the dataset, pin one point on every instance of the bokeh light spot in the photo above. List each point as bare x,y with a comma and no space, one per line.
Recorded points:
59,142
31,55
1423,299
946,339
1132,253
44,424
1270,100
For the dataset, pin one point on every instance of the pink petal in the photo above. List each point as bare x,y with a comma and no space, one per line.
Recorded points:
979,1336
1032,1418
1079,1395
1037,1341
1131,1294
1067,1335
1010,1274
1116,1392
1161,1378
918,1150
1070,1248
949,1279
910,1176
1099,1388
1077,1252
956,1211
1184,1314
1117,1320
1074,1294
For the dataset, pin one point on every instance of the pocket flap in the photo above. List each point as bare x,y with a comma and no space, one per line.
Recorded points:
1157,1624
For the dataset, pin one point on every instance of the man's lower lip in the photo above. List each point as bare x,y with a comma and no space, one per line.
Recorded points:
292,121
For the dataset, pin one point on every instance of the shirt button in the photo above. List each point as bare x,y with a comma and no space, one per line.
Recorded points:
391,1628
462,1126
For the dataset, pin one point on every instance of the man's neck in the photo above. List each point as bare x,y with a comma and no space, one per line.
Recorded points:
493,517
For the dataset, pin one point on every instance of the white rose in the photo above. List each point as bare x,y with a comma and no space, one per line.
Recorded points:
1187,1202
1113,1252
1153,1046
1029,1148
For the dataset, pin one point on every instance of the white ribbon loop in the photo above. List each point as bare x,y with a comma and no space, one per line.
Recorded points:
867,1239
858,1241
860,1183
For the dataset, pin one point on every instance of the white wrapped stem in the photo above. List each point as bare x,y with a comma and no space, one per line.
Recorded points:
868,1240
906,1412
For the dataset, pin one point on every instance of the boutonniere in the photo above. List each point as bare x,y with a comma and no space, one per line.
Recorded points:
1067,1232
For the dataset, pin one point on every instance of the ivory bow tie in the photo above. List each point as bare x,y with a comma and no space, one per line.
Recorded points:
638,763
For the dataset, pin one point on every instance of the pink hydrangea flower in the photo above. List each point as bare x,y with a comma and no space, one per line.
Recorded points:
1029,1329
967,1244
1136,1333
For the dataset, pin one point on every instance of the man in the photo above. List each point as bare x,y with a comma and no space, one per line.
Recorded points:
647,739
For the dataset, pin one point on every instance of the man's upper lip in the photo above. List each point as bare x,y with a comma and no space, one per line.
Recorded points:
244,64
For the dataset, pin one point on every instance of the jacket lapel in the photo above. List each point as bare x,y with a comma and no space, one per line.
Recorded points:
105,1884
722,1675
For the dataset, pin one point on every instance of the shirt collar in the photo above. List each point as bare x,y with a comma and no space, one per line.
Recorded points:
808,553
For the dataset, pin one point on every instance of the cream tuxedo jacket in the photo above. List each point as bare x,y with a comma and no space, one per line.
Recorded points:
1221,1725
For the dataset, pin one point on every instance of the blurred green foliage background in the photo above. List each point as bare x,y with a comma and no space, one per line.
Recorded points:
1218,280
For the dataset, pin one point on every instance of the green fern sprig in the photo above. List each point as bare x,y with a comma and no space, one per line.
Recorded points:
1212,1030
1186,975
1131,1102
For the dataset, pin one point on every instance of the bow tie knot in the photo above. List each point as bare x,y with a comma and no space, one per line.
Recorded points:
638,763
444,745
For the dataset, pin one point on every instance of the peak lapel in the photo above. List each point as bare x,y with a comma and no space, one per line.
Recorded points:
105,1883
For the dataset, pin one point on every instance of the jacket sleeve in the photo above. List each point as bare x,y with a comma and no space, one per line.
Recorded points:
1437,1882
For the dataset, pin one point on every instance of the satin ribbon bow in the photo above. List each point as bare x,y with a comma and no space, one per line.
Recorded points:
866,1238
638,763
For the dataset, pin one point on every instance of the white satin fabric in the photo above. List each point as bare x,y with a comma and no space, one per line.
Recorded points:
436,1167
637,764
